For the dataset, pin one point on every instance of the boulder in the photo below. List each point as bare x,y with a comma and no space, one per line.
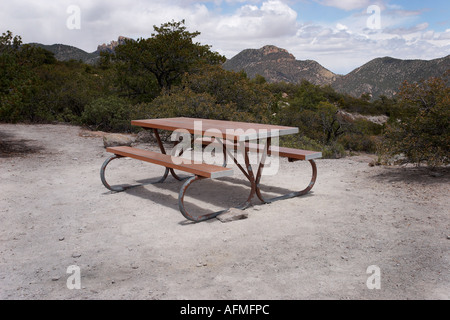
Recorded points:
116,140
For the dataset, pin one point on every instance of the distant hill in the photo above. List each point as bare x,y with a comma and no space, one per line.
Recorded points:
384,76
64,52
276,64
381,76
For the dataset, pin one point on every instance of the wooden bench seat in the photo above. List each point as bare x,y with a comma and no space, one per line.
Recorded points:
202,169
290,153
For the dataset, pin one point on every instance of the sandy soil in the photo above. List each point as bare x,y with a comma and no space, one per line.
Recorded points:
55,213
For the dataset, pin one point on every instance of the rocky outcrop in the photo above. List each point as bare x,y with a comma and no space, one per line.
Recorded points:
112,45
277,64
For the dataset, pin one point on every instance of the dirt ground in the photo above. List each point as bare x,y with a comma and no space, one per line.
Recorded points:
55,215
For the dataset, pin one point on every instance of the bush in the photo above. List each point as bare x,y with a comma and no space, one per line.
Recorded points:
16,79
108,114
421,133
362,135
64,89
184,102
301,142
359,142
333,150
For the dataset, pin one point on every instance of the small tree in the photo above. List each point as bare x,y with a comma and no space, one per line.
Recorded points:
162,59
18,77
421,132
229,87
13,85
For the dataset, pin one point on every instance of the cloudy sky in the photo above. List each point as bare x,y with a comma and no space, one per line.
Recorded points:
340,34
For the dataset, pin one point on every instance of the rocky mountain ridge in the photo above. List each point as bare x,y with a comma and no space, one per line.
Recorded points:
64,52
384,76
276,64
381,76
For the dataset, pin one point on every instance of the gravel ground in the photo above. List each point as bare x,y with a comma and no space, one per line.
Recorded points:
363,233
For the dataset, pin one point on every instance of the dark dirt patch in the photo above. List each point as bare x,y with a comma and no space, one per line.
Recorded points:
11,146
415,175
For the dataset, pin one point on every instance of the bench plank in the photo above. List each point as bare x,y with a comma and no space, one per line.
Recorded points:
203,169
296,154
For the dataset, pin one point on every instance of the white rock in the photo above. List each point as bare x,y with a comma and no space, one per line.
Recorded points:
116,140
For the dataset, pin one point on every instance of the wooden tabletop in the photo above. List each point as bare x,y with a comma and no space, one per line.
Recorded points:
230,130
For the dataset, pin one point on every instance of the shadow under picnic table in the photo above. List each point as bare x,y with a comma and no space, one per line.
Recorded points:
207,196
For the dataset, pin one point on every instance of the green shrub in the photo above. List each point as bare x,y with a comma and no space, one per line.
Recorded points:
184,102
421,133
333,150
359,142
108,114
362,135
301,142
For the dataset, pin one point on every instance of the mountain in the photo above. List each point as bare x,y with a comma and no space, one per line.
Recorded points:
381,76
384,76
64,52
276,64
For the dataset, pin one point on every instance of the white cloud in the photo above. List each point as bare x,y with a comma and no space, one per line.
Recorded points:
340,45
428,35
405,31
272,19
445,36
346,4
341,27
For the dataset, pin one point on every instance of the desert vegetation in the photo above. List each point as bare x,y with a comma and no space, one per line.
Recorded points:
170,75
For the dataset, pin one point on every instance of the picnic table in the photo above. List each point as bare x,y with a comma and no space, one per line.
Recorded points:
236,140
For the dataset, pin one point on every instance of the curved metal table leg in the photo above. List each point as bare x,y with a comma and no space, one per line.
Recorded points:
177,177
163,151
186,214
293,194
247,171
120,188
